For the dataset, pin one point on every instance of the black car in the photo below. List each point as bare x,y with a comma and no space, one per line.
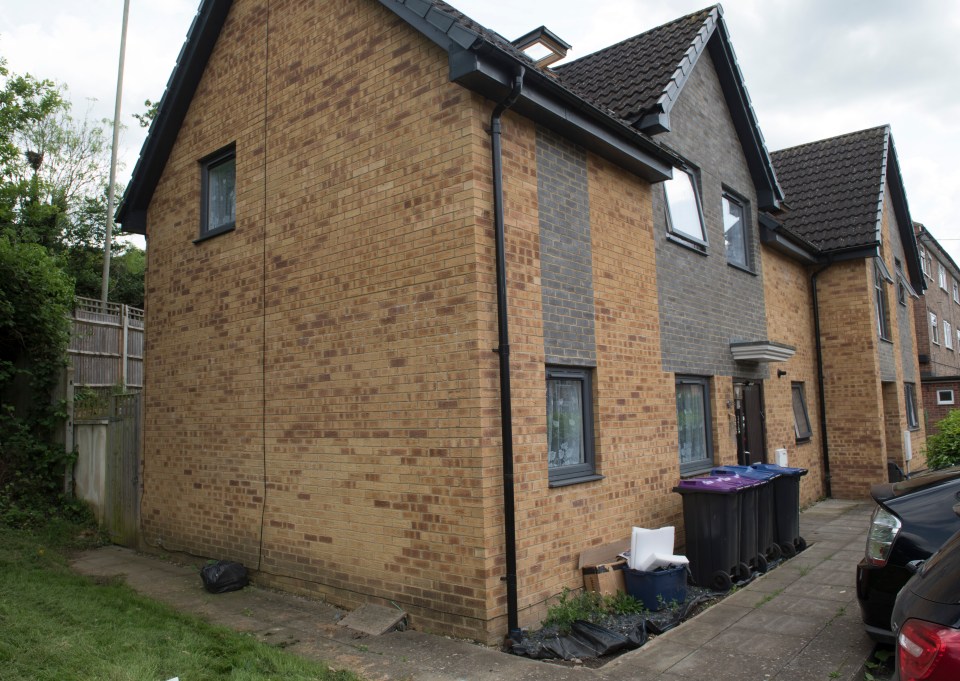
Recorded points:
913,519
926,619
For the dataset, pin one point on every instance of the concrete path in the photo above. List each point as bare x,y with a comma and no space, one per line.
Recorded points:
799,622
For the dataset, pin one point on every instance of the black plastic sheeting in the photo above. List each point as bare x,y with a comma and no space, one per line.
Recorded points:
587,640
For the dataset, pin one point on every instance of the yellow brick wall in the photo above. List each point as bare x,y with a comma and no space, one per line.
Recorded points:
854,402
790,320
203,428
338,344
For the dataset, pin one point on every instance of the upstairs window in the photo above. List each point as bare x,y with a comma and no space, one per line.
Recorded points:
956,292
947,335
910,390
682,205
735,232
901,289
801,419
924,265
942,275
883,315
934,329
570,455
218,192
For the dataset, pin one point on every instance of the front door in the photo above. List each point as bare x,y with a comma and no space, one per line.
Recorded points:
751,447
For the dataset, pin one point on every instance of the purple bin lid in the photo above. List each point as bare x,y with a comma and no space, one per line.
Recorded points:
713,484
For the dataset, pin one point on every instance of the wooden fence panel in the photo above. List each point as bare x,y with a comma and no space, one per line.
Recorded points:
122,474
106,345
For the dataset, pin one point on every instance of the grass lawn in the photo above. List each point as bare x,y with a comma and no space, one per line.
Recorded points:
55,624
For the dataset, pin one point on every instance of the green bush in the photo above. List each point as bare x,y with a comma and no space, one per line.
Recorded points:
943,449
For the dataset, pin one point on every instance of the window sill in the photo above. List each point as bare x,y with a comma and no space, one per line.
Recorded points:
575,481
886,340
694,246
913,429
693,472
215,232
741,268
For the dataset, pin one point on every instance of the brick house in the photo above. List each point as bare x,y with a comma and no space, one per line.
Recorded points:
937,322
323,397
846,223
353,390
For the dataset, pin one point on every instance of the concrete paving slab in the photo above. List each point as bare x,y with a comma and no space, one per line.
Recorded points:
373,619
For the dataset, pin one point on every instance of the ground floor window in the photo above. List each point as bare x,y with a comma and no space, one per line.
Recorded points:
913,421
801,419
693,423
945,397
569,424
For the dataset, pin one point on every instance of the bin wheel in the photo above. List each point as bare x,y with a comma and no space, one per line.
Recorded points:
744,571
774,553
801,544
789,550
720,581
762,564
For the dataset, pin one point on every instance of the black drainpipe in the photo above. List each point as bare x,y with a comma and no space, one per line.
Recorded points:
506,410
823,406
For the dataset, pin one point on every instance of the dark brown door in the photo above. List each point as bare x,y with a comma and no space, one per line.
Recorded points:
751,447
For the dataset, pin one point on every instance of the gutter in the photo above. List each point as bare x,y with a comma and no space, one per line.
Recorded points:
828,492
503,350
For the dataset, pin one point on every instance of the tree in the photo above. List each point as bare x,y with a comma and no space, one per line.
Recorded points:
146,118
943,449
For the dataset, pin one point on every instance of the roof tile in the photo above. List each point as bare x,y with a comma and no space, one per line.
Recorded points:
834,188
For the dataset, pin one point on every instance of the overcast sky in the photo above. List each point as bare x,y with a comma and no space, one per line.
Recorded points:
814,68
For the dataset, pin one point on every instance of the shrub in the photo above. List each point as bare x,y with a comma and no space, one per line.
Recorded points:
943,449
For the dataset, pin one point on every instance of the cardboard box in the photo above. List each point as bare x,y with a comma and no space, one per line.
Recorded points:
602,568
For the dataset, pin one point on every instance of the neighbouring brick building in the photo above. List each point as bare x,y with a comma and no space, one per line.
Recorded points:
937,321
847,222
329,329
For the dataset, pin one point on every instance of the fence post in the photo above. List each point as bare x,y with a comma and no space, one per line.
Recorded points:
125,341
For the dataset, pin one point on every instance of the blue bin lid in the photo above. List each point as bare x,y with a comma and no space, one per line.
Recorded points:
746,472
713,484
783,470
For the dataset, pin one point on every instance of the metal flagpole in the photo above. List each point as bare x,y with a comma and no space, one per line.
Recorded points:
111,190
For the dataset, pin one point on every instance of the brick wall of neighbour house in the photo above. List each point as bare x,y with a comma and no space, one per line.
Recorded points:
328,365
790,320
634,404
934,412
904,346
704,302
854,403
942,361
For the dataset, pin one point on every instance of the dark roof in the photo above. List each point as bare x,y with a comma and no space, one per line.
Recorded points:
631,77
834,188
640,79
834,193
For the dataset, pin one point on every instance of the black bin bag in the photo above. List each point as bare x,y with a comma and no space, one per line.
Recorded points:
224,576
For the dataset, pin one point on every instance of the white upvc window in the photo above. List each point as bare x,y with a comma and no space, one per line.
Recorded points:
923,261
956,291
947,335
942,275
934,329
945,397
